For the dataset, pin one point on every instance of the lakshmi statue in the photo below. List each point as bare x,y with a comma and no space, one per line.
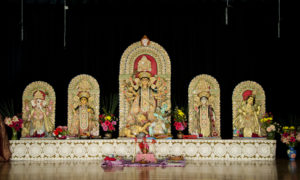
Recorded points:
83,106
203,117
248,108
247,120
38,113
144,89
84,123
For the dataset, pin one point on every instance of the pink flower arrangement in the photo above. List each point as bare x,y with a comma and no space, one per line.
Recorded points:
14,122
108,122
290,137
179,126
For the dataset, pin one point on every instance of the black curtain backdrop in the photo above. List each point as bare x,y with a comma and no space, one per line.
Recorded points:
192,32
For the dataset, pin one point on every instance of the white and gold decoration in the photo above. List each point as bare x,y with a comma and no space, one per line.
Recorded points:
248,107
204,106
38,110
145,84
259,149
83,106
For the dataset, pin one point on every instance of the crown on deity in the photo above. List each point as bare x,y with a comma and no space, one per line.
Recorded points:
39,95
83,94
247,94
204,94
203,89
144,74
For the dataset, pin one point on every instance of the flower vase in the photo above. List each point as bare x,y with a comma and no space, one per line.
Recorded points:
291,153
180,135
14,134
108,135
271,135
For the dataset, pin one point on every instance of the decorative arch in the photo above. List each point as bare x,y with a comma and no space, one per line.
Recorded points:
206,85
142,56
238,95
47,94
83,84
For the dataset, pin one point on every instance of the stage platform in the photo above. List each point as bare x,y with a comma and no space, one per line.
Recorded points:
191,149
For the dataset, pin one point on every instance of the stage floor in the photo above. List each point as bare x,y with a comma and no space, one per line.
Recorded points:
195,149
86,170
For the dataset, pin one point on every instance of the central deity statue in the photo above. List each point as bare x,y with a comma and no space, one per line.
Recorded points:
144,94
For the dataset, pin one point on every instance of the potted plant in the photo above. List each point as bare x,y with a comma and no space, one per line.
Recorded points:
290,137
108,119
11,119
270,126
180,121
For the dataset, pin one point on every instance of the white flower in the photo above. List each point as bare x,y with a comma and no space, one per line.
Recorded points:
8,121
15,119
40,132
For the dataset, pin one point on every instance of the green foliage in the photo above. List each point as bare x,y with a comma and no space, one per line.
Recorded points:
7,107
110,103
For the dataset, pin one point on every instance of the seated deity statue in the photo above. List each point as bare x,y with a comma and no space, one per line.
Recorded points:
247,121
37,112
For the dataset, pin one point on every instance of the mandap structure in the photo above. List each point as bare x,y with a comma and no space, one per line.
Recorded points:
145,84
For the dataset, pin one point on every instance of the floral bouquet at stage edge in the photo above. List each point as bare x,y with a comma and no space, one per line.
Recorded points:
15,123
290,137
180,120
270,126
61,132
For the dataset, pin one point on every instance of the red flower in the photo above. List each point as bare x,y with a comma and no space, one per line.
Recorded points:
293,139
111,127
153,141
107,123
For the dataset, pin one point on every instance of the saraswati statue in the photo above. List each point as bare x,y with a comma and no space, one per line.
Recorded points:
204,106
247,109
145,76
83,106
38,110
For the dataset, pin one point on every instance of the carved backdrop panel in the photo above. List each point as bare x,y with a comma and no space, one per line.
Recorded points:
38,110
83,106
144,82
204,106
248,107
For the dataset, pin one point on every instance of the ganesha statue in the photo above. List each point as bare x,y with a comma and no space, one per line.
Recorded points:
38,110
